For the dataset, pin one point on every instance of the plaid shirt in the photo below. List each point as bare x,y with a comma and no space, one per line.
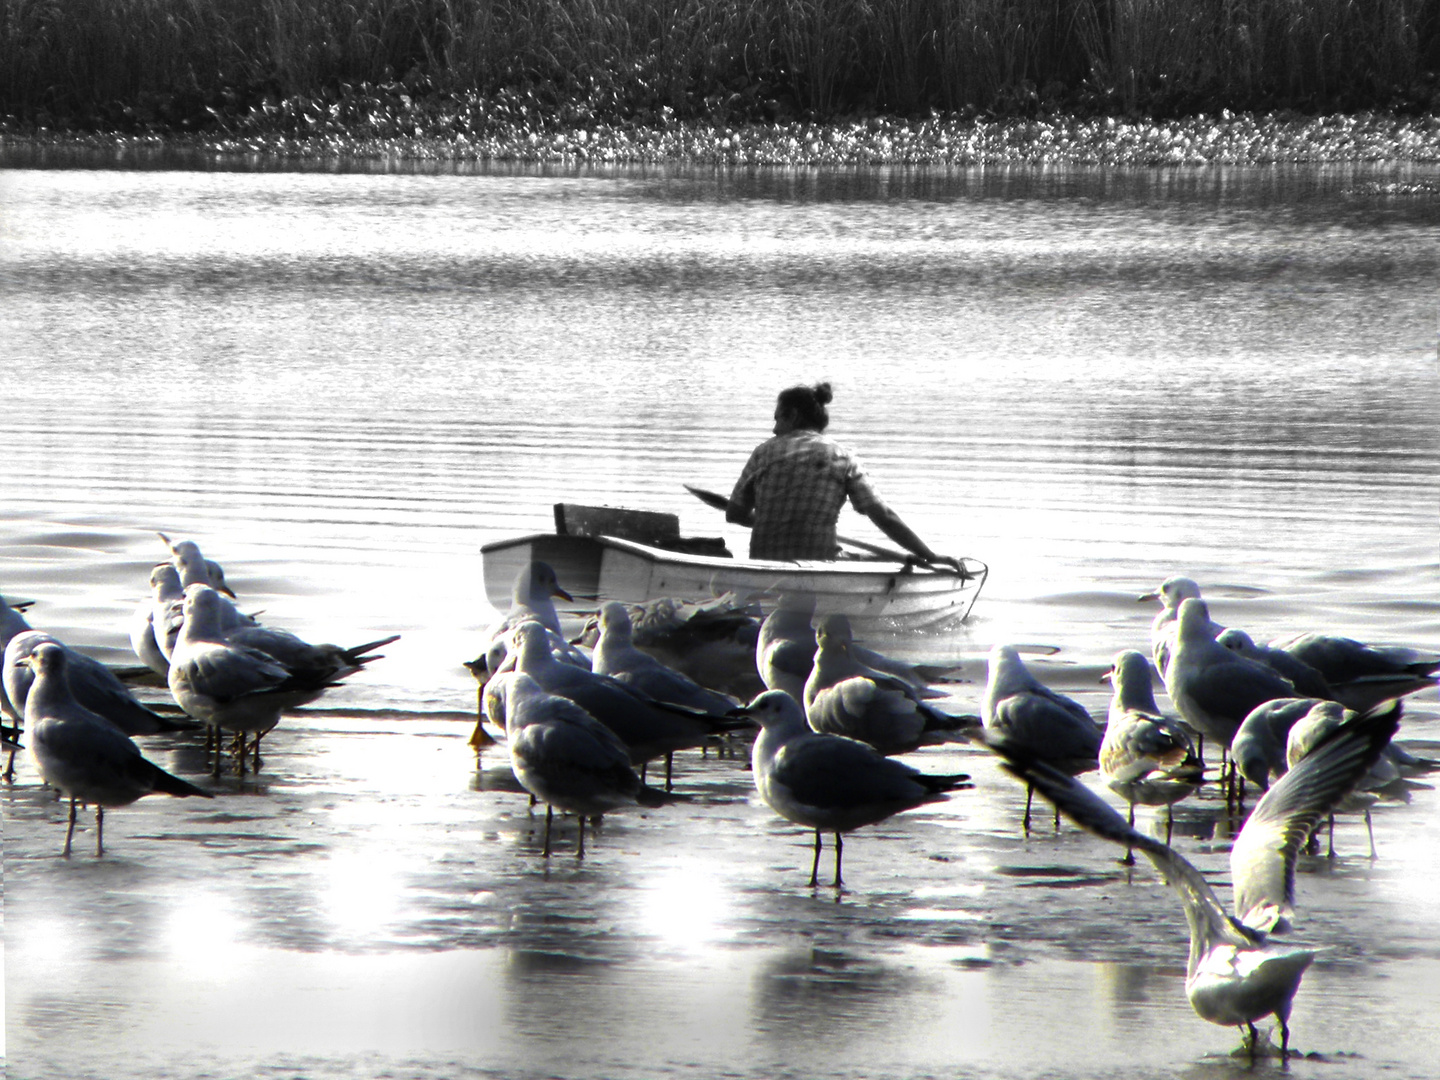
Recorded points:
797,483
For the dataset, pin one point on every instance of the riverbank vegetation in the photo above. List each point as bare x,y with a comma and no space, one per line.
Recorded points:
129,64
742,80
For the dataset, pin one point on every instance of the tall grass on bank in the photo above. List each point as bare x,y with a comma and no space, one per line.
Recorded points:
132,63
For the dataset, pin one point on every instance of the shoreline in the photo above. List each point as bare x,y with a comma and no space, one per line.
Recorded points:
1226,139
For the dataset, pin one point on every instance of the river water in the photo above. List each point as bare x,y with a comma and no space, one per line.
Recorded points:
342,383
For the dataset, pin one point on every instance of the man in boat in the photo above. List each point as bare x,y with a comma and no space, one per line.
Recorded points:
794,485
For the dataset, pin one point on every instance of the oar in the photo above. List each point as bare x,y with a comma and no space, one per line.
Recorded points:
720,502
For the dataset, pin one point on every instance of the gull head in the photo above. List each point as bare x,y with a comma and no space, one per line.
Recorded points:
47,659
833,632
1172,591
775,710
165,579
202,611
538,582
615,621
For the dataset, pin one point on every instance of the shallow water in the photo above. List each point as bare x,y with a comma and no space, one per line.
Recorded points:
342,385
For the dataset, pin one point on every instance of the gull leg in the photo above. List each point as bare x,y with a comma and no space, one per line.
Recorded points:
815,864
1169,822
1250,1040
839,848
580,847
1370,828
99,830
669,769
549,816
1029,795
1331,853
257,753
70,832
1129,859
1284,1038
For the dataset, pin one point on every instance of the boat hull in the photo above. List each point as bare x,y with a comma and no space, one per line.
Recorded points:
875,594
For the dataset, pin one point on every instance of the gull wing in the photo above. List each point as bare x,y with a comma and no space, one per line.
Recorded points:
1208,920
1262,860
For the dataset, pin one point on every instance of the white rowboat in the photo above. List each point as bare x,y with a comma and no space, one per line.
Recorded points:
877,594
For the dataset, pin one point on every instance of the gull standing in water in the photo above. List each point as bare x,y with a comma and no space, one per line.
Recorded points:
1310,732
844,696
83,754
1307,681
1024,716
1171,594
532,599
1214,688
151,622
565,757
1145,756
830,783
1258,748
1237,974
1363,676
616,656
230,686
785,647
12,622
649,728
94,685
194,568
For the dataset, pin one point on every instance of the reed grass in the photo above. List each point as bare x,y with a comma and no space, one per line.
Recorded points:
93,63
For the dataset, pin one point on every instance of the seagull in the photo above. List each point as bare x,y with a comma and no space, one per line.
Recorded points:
1307,681
1022,715
1258,748
831,783
194,568
565,757
712,641
1310,731
326,664
1237,974
785,646
170,617
154,613
1171,594
1214,688
845,696
616,656
531,600
83,754
785,653
12,622
648,727
94,685
1145,757
1363,676
227,685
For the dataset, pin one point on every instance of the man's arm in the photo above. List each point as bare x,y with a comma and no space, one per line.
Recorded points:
890,524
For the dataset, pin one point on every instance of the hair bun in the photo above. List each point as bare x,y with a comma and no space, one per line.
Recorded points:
823,393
